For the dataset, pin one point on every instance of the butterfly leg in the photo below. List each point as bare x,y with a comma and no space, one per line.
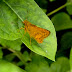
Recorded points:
24,33
21,28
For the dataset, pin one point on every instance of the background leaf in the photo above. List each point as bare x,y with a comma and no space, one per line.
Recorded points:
30,10
61,21
26,56
8,67
66,41
1,53
61,65
69,7
71,59
16,44
9,57
52,0
38,64
42,3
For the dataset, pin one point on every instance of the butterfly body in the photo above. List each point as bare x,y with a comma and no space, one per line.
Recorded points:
36,32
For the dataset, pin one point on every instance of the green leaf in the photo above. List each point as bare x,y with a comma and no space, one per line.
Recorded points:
9,57
37,58
16,44
38,64
9,67
62,21
43,3
37,68
69,7
52,0
44,10
1,53
61,65
26,56
66,40
71,59
8,23
28,9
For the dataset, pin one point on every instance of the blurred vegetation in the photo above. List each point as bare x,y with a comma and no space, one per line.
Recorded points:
31,62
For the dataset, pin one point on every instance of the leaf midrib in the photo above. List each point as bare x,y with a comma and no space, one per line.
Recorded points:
13,10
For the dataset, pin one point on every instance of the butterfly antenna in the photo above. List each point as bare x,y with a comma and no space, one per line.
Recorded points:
26,15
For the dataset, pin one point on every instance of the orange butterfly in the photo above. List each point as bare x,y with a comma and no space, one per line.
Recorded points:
35,32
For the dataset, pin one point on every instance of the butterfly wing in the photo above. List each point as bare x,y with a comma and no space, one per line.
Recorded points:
36,32
41,34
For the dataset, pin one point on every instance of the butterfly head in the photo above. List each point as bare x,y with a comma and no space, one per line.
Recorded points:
25,21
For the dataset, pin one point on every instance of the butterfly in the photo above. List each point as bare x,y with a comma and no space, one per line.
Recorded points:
35,32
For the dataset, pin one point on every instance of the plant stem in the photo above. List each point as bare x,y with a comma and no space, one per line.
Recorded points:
56,10
18,54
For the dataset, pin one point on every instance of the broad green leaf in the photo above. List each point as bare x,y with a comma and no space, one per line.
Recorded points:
26,58
35,58
9,67
37,68
43,3
9,57
28,9
44,10
69,7
52,0
71,59
38,64
66,41
1,53
16,44
61,65
8,23
62,21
